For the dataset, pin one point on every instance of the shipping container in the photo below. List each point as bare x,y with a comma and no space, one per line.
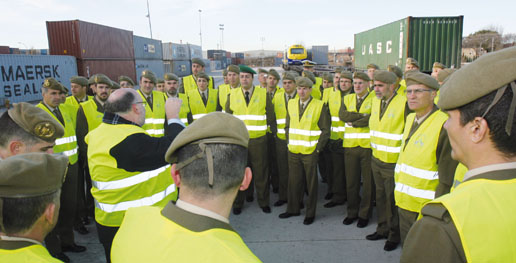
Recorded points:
426,39
239,55
173,51
179,67
23,75
320,55
216,54
111,68
88,40
14,51
4,50
207,68
195,51
155,66
147,48
215,65
228,54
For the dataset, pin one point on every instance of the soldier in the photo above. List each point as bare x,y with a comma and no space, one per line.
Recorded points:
160,86
475,223
190,81
411,64
210,158
91,86
436,67
114,86
225,89
388,114
316,90
310,66
154,106
126,82
171,91
424,169
355,112
253,106
273,79
29,196
79,85
324,160
262,78
201,100
308,130
399,79
224,77
371,68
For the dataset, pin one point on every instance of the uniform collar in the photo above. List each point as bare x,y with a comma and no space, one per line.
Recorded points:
489,168
192,221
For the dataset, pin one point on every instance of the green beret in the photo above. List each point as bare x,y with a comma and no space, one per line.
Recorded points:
203,75
224,72
170,76
412,62
443,74
261,70
161,80
346,75
483,76
373,66
438,65
309,75
415,77
275,74
308,64
36,121
126,78
361,75
396,70
150,76
234,69
198,61
102,79
328,77
79,80
91,80
32,175
52,83
290,76
385,76
114,85
246,69
304,82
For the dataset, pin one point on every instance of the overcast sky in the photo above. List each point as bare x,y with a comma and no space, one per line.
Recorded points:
280,23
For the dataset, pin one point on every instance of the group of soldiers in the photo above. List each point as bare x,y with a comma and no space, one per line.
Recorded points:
375,137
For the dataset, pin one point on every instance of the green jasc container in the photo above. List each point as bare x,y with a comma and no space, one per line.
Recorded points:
426,39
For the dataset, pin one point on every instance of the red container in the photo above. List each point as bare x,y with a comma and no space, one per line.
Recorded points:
111,68
4,50
87,40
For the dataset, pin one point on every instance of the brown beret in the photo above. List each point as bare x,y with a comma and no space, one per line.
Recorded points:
91,80
198,61
328,77
36,121
385,76
339,70
261,70
415,77
32,174
79,80
126,78
203,75
52,83
412,62
234,69
150,76
361,75
346,75
373,66
443,74
396,70
483,76
160,80
224,72
102,79
290,76
170,76
114,85
438,65
304,82
308,74
275,74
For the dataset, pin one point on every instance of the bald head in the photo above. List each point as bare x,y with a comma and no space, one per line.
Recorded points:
121,101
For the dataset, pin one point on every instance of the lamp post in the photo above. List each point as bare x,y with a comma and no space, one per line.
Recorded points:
148,16
200,27
221,27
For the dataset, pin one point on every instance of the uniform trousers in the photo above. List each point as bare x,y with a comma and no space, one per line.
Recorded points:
257,160
358,167
338,173
299,165
282,158
326,167
106,235
407,219
272,161
388,220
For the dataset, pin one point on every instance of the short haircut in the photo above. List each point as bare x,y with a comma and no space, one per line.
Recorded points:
120,105
20,214
9,131
229,162
496,119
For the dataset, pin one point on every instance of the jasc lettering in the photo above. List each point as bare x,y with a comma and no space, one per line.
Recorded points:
379,48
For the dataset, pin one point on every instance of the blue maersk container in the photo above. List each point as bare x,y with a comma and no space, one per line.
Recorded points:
147,48
22,76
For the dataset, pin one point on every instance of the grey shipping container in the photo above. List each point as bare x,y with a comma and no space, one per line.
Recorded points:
239,55
147,48
179,67
207,68
215,65
320,55
111,68
173,51
155,66
88,40
426,39
23,75
195,51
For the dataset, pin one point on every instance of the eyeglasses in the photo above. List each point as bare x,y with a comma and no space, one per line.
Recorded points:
416,91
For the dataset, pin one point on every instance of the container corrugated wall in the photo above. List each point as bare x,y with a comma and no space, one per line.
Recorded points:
147,48
179,67
23,75
111,68
195,51
155,66
320,55
173,51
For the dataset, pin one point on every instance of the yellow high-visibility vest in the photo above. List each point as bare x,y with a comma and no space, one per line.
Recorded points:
189,83
93,117
280,109
357,136
33,253
304,131
197,105
334,101
224,90
460,172
253,115
155,118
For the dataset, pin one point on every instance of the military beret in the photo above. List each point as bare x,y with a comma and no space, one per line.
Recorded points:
373,66
483,76
160,80
308,64
396,70
309,75
52,83
36,121
438,65
203,75
114,85
198,61
412,62
338,70
224,72
261,70
443,74
385,76
304,82
91,80
65,89
415,77
79,80
293,72
234,69
170,76
102,79
274,73
32,174
361,75
126,78
290,76
328,77
150,76
246,69
346,75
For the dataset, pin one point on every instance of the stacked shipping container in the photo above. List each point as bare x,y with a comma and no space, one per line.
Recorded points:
176,58
148,54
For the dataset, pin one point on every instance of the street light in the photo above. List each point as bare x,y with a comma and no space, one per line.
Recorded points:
148,16
221,27
200,33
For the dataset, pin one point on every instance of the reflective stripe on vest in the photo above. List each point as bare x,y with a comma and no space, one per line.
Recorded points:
334,100
304,132
253,115
357,137
197,105
416,175
129,181
155,117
